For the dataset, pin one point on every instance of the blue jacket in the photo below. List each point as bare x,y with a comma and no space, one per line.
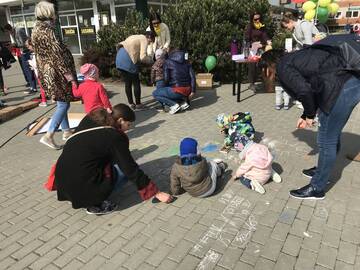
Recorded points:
178,72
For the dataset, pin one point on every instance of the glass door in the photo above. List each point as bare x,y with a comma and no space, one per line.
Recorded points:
87,28
69,31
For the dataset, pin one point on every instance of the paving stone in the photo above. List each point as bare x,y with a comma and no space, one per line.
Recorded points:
350,234
136,259
285,262
347,252
44,261
24,262
312,243
134,244
167,264
243,266
344,266
327,256
277,205
22,252
189,262
306,260
180,251
113,248
189,222
264,264
317,225
94,264
292,245
272,249
176,236
335,221
229,258
287,216
280,231
73,265
69,255
134,230
331,237
270,218
115,261
158,255
305,212
299,227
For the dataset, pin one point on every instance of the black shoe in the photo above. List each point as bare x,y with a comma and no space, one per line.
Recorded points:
309,172
105,208
307,193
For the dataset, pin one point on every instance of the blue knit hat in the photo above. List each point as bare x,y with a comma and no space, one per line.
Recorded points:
188,147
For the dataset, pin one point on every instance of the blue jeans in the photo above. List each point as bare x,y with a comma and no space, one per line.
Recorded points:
119,177
29,74
330,129
60,117
167,96
160,84
245,181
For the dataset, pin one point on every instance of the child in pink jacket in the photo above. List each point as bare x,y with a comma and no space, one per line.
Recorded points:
91,91
256,170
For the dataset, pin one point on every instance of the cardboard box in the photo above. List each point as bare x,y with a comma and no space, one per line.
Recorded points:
204,81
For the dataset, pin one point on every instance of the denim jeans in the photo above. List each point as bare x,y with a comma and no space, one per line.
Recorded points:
330,129
29,74
160,84
167,96
60,117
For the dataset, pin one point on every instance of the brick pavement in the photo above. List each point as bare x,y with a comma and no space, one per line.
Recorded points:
234,229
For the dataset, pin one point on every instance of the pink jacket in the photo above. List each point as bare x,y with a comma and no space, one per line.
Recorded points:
257,165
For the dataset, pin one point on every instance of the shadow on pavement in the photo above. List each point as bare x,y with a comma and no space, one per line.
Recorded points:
141,130
350,143
204,98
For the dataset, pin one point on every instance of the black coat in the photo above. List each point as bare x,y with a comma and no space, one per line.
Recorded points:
178,72
79,174
314,76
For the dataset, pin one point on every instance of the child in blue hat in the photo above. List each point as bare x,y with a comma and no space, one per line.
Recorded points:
192,173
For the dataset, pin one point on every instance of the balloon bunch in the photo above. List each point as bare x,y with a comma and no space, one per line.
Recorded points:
319,9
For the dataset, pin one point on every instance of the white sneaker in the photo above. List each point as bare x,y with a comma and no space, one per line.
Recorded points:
174,109
276,177
255,185
66,135
48,141
299,105
43,104
184,106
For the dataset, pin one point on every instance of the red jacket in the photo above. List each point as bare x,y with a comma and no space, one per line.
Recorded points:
93,95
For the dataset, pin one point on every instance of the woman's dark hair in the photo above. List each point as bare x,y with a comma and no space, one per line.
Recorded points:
151,35
101,117
154,16
8,27
287,17
123,111
271,57
252,14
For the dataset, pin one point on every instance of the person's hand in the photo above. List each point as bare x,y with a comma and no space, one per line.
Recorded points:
69,77
305,123
109,110
163,197
191,96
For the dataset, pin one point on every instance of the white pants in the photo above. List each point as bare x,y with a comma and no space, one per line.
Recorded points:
214,172
281,95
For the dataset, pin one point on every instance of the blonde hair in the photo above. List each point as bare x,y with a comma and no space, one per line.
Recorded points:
44,11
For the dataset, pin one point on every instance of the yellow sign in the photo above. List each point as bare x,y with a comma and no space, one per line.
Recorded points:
69,31
87,31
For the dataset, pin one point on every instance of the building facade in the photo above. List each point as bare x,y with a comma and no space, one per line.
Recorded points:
348,14
79,19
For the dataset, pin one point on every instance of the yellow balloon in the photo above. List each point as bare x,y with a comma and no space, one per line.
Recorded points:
333,8
324,3
309,15
308,5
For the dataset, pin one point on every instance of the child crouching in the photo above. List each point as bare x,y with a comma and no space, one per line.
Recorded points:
194,174
256,170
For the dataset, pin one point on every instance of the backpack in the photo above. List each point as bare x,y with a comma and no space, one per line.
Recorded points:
349,47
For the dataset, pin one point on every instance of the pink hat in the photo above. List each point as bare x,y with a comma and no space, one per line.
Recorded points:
90,71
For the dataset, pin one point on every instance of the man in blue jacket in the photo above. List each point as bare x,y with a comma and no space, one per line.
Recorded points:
316,76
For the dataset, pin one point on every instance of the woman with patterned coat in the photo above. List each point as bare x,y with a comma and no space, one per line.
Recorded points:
56,69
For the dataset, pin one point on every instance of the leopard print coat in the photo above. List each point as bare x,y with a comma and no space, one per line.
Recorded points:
53,60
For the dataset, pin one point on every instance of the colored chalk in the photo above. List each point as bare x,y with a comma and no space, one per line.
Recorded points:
209,148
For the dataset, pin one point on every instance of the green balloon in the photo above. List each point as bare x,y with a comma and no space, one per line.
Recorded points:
322,13
323,19
210,62
315,1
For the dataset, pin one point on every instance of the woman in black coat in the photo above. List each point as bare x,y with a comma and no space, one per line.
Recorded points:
82,175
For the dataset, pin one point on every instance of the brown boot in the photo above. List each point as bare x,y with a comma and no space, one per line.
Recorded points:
354,157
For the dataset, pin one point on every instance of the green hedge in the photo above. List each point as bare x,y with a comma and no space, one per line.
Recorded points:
200,27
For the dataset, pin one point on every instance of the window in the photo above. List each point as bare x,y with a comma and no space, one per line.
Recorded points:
18,22
121,13
15,10
355,14
119,2
29,8
79,4
65,5
338,15
348,14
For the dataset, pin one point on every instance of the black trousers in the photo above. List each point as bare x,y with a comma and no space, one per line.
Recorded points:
131,80
1,80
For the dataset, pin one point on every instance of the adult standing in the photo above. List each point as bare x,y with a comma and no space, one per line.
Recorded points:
303,31
19,36
180,78
162,34
255,34
132,51
81,175
56,69
334,92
